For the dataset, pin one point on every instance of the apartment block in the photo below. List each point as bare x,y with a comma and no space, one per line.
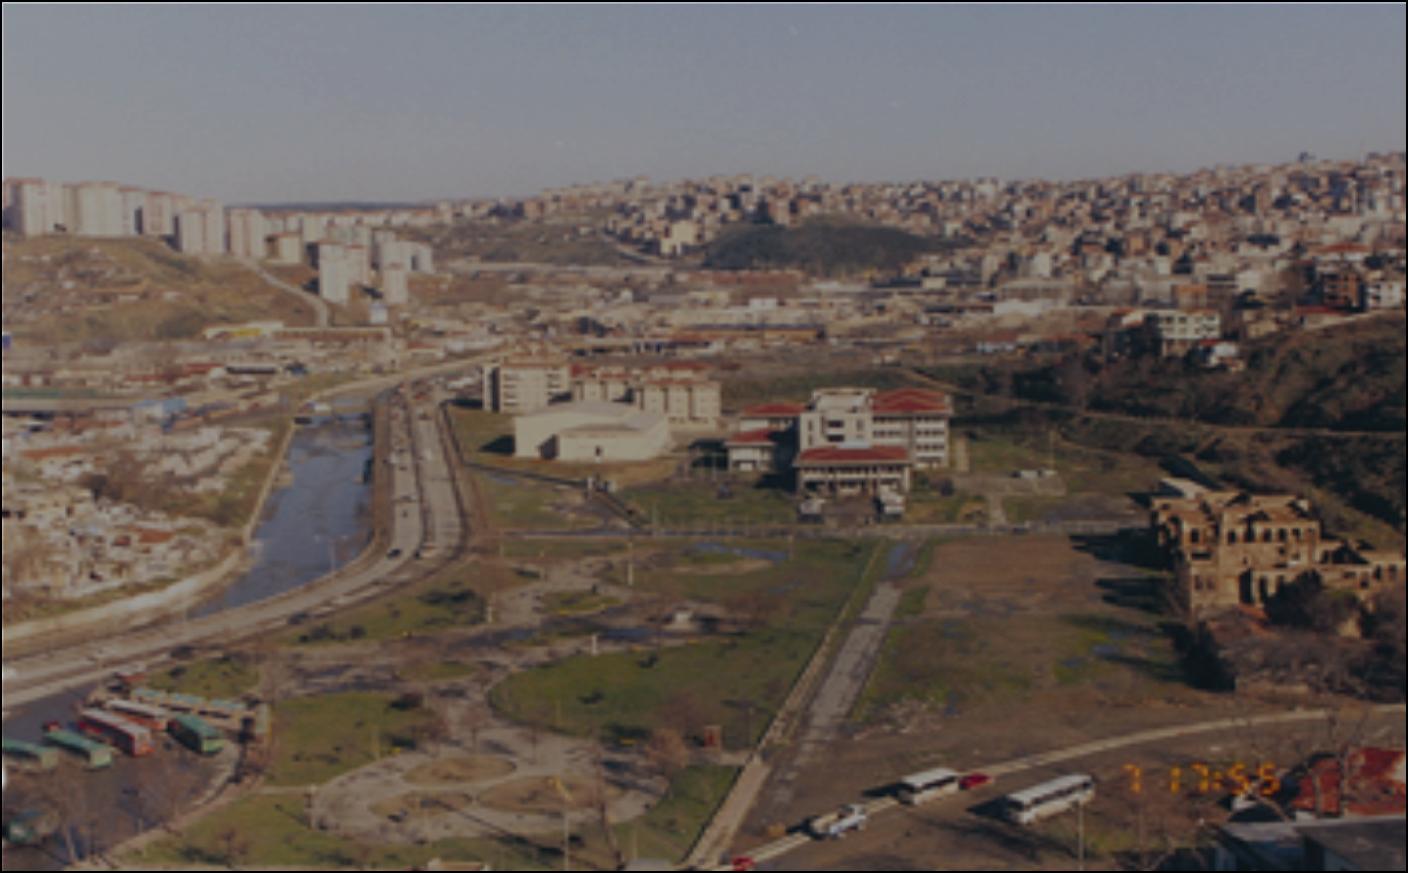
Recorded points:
526,384
336,273
248,232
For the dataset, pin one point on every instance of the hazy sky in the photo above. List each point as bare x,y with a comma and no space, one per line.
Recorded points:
264,103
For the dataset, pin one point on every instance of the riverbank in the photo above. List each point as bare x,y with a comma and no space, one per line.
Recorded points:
85,624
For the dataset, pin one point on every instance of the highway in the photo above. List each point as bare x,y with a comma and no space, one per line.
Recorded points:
426,519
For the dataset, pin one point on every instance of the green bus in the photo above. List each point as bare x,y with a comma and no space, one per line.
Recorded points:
196,734
30,755
95,754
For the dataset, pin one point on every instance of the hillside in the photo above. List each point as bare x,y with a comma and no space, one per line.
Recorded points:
1351,377
818,247
568,243
1348,378
67,289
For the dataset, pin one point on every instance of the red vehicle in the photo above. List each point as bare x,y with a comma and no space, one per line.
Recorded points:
115,730
743,863
973,780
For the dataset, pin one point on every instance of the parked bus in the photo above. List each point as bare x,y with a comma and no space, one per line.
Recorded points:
109,727
95,755
924,786
151,717
196,734
29,755
1048,798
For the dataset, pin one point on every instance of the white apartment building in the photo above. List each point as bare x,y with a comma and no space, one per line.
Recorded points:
336,273
248,232
394,291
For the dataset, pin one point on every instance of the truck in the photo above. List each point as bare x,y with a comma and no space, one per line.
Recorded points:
833,825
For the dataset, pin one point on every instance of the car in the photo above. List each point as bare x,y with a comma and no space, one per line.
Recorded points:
973,780
394,553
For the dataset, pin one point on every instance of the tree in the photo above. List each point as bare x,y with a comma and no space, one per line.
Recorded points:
667,753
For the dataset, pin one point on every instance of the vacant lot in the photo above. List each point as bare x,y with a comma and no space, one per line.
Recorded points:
780,611
1008,646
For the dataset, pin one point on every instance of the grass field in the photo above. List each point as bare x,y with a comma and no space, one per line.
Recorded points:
994,627
453,598
735,681
325,735
670,828
698,504
228,676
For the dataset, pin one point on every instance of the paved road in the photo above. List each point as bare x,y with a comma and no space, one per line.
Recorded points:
792,842
421,483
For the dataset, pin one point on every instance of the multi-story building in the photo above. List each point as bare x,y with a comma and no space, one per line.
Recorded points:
1231,548
336,273
681,393
526,384
846,440
1175,333
248,231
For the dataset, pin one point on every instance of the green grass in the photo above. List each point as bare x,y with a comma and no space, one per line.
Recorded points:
273,831
1024,508
912,602
228,676
628,694
439,670
451,599
960,661
526,505
325,735
698,504
550,549
577,602
671,827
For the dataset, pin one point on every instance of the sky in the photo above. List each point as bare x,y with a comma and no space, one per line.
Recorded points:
404,103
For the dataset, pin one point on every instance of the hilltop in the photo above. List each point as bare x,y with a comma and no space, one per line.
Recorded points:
820,247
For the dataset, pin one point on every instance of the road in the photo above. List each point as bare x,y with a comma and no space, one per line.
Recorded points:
879,807
426,517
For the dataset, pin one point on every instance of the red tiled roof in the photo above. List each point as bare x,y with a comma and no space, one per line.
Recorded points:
1375,785
776,409
912,400
843,455
759,437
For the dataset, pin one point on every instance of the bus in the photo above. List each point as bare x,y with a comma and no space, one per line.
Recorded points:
29,755
196,734
1048,798
95,755
111,728
924,786
148,716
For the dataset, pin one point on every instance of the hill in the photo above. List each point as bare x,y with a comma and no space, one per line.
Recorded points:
67,289
820,247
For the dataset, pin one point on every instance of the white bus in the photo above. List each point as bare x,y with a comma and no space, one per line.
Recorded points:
920,787
1048,798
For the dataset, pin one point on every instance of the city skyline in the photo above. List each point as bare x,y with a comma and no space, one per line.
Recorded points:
490,101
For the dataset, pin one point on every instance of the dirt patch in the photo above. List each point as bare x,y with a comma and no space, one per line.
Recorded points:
473,768
542,795
417,805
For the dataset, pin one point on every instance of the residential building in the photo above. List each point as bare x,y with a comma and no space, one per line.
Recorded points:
1175,333
526,384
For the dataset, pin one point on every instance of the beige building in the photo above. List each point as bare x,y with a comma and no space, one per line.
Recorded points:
591,431
336,273
1231,548
682,393
248,232
525,384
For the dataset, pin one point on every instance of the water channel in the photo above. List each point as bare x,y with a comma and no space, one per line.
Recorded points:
317,518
